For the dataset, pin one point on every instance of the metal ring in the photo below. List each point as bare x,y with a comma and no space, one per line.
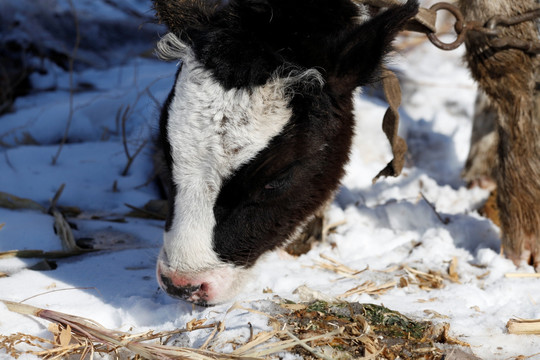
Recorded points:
458,27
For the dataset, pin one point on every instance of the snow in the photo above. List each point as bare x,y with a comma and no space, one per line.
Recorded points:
422,219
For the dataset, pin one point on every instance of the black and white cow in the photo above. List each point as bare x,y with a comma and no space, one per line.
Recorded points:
257,128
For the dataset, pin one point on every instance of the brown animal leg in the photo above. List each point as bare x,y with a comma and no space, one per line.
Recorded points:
519,183
518,173
508,77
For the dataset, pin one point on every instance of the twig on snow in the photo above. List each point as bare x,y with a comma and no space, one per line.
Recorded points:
445,221
123,116
71,86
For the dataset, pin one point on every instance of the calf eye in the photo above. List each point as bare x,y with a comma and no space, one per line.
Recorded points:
279,183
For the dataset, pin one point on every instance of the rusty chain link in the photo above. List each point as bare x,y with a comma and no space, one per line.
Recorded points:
425,21
492,28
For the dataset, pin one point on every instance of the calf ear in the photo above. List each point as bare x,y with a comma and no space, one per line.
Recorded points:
182,15
359,52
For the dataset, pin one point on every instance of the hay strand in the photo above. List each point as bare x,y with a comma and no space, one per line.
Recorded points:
338,268
370,288
522,275
304,344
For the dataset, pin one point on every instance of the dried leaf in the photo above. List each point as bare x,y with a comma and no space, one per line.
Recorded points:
65,336
54,328
392,92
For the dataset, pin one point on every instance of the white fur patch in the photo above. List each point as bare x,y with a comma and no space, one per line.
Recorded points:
212,132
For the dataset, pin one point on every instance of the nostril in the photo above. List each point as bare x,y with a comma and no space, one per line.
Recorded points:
183,292
186,290
202,288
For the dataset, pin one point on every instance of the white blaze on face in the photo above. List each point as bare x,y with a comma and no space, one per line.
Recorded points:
212,132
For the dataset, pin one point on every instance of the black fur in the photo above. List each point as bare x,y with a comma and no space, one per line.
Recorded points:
245,41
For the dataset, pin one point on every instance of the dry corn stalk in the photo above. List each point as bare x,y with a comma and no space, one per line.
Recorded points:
523,327
522,275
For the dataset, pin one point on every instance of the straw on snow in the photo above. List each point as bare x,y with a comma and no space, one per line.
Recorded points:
338,268
95,333
425,280
370,288
74,334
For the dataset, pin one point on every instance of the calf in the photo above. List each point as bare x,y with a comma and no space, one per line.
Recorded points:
257,128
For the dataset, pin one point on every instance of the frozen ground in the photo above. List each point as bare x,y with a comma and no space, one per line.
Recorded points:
384,226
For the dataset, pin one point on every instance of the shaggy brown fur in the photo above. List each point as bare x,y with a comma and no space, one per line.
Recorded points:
508,77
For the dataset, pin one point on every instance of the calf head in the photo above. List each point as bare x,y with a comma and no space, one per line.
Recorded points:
257,128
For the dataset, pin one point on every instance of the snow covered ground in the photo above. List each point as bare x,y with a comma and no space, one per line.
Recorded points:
423,219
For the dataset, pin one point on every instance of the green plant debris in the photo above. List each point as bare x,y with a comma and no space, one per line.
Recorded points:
392,323
369,330
319,306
